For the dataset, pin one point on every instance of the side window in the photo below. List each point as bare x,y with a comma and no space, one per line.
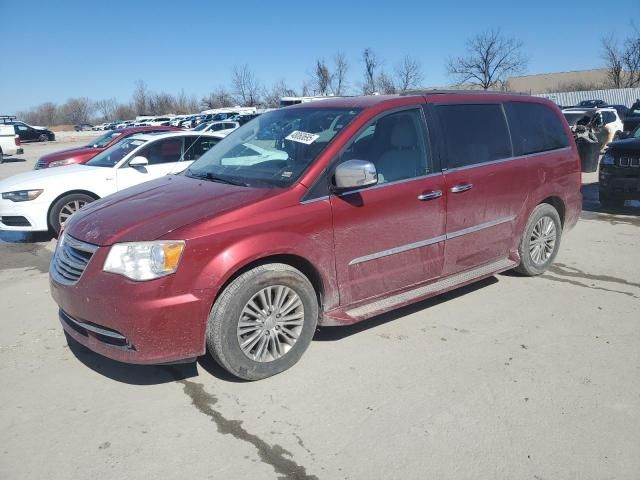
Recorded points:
474,133
163,151
395,144
195,147
534,128
22,128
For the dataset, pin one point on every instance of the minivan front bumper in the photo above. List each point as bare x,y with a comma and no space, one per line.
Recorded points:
132,322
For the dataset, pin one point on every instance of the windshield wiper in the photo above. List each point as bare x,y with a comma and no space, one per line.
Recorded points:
214,178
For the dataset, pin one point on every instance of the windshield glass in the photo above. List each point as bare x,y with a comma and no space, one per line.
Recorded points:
112,155
201,127
274,149
104,140
572,118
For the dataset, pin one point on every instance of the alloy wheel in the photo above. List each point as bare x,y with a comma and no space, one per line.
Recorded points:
542,241
69,209
270,323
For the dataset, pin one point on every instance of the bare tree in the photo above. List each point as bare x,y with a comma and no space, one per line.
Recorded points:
613,59
408,73
77,110
106,107
185,103
370,65
385,84
622,63
340,68
140,98
245,85
321,78
490,59
306,88
271,98
218,98
124,111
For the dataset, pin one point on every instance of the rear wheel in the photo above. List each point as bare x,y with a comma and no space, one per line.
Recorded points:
540,241
66,206
263,321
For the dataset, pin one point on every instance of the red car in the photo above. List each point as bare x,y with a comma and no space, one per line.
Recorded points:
324,213
86,153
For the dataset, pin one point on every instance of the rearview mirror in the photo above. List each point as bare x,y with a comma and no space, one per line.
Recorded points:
355,174
138,162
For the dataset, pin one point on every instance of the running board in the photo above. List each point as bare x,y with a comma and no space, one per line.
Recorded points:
441,285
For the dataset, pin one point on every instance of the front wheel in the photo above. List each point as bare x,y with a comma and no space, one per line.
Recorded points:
263,321
43,137
608,201
540,241
66,206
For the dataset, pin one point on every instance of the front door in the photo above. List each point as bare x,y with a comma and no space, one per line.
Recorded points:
164,157
391,235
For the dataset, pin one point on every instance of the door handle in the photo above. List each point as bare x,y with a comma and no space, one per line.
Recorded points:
430,195
463,187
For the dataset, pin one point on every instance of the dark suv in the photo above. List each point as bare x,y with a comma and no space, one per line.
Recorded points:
620,171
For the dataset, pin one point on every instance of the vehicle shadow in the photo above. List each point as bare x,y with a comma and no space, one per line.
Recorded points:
25,237
147,374
129,373
13,160
591,202
331,334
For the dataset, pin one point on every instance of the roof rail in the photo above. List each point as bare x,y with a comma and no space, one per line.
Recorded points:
7,119
460,92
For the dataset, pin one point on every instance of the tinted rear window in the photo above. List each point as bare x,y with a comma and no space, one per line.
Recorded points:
474,133
534,128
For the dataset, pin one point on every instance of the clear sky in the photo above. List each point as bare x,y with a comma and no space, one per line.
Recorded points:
54,50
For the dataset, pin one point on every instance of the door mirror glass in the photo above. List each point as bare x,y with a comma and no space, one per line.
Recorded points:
355,174
138,162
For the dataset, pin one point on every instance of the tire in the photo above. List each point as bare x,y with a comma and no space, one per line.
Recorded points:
73,202
535,261
278,352
1,156
43,137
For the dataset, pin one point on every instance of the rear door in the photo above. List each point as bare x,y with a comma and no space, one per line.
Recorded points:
390,236
164,156
486,187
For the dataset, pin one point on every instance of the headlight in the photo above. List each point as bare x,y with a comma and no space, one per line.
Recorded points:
144,260
61,163
21,195
608,159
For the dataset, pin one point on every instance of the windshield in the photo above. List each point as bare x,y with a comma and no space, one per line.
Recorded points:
104,140
201,127
274,149
112,155
572,118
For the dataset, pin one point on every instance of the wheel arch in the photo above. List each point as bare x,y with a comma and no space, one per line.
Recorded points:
70,192
557,203
296,261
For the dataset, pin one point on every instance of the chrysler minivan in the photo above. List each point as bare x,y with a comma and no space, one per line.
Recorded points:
323,213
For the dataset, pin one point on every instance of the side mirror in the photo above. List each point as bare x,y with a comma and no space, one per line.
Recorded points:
354,174
138,162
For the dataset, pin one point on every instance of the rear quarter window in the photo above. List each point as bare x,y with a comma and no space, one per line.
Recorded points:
534,128
474,133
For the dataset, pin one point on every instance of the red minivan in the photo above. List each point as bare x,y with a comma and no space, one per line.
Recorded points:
324,213
83,154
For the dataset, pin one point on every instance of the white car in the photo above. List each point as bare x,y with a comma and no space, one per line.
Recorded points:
43,199
222,127
9,142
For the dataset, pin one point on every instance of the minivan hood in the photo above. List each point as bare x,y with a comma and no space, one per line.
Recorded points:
153,209
69,153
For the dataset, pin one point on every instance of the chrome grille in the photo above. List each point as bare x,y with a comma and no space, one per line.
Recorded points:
70,260
40,164
630,162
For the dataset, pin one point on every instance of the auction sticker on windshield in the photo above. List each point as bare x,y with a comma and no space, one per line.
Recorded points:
302,137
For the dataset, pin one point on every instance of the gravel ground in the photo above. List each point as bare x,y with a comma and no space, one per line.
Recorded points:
511,378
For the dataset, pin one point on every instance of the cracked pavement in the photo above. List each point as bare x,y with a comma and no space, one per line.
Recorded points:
508,378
